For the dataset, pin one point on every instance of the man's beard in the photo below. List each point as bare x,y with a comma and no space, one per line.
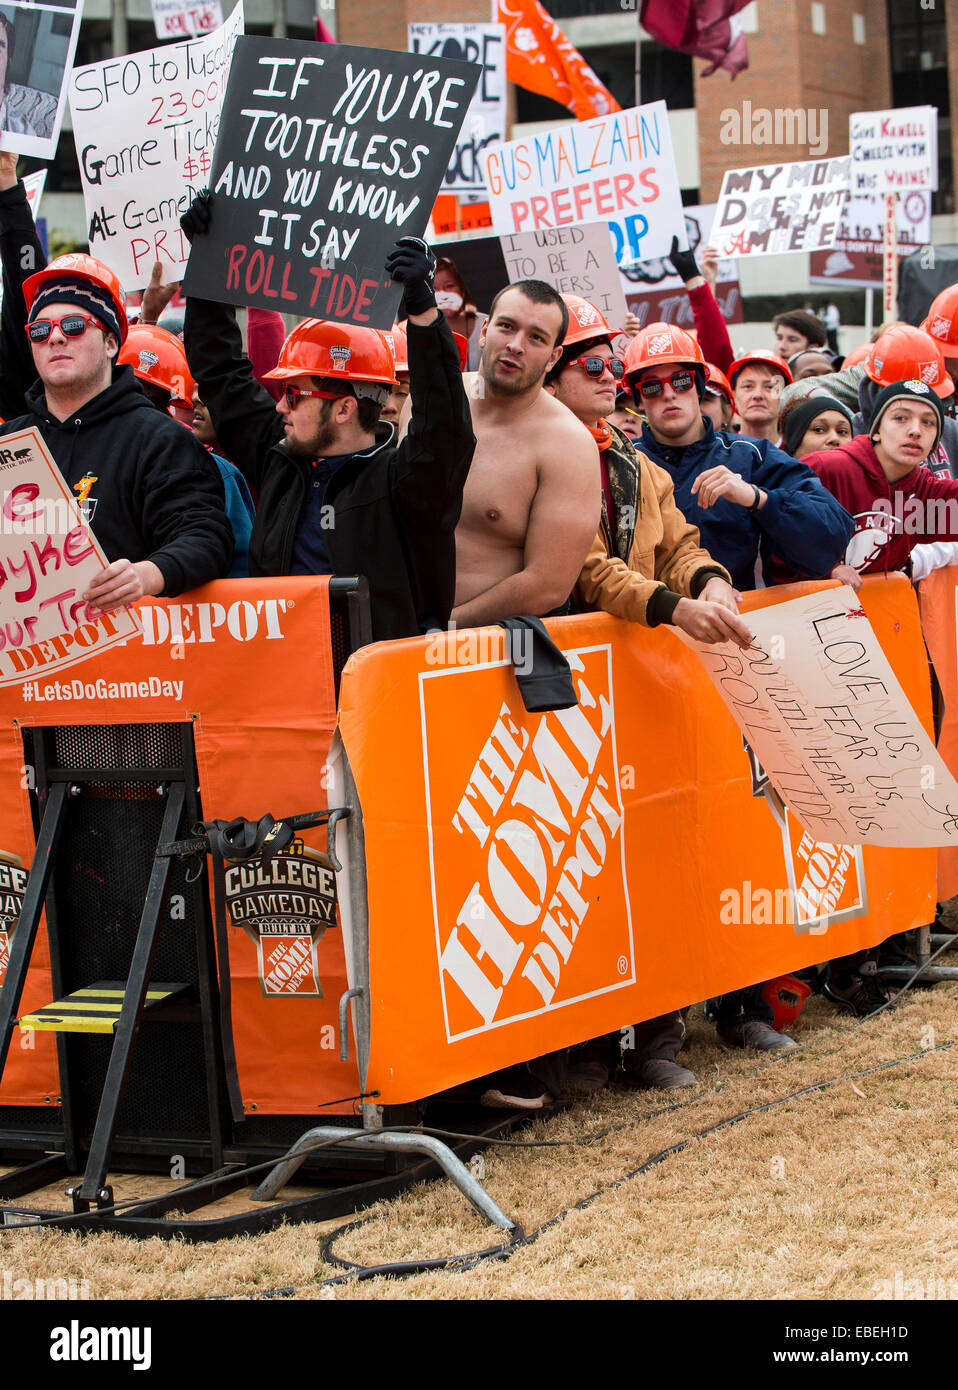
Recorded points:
321,439
514,384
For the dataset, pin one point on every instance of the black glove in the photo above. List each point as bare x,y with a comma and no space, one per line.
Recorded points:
413,265
198,216
683,261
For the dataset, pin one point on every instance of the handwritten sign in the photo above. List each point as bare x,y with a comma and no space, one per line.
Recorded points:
856,258
485,123
573,260
48,558
145,126
328,155
655,294
617,168
820,706
775,209
894,151
175,19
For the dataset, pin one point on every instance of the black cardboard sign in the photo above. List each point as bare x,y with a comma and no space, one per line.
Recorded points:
326,155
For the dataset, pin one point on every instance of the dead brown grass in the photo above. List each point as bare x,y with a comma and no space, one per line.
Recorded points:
821,1197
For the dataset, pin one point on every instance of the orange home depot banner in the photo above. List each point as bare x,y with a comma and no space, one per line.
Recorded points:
540,58
248,663
564,874
937,597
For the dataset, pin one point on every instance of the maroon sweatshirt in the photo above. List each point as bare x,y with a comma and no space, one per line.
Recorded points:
897,511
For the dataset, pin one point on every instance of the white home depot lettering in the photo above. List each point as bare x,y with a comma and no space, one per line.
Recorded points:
185,623
538,818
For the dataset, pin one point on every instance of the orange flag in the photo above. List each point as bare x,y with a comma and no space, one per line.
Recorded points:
540,58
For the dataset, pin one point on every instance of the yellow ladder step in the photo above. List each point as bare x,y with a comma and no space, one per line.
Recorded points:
93,1009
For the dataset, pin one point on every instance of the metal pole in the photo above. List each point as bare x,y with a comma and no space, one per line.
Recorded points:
279,19
869,313
121,33
638,59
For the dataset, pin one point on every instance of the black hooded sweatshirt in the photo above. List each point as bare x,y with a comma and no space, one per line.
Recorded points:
155,492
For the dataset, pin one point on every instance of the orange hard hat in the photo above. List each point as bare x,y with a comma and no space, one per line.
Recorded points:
396,338
904,352
661,344
717,379
87,269
785,997
857,355
942,321
585,321
319,347
764,358
158,356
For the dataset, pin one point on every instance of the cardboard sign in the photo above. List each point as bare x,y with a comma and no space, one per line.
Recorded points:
894,151
175,19
48,558
145,126
573,260
938,599
569,873
328,155
485,123
818,702
856,260
617,168
774,209
34,78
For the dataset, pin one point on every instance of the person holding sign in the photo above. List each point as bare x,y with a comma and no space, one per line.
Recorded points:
337,494
531,504
151,492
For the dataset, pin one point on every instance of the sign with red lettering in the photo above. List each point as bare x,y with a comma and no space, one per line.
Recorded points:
327,155
177,19
894,151
48,558
145,126
617,169
774,209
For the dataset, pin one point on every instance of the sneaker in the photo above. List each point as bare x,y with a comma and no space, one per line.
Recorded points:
863,994
658,1074
514,1089
755,1034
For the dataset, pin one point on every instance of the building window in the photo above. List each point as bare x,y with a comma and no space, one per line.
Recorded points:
858,28
818,17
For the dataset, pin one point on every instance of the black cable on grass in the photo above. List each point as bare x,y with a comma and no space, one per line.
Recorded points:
357,1273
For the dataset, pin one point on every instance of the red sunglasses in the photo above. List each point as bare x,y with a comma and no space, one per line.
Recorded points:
595,366
679,381
71,326
295,394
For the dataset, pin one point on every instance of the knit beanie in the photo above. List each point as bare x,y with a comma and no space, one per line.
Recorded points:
80,294
801,417
910,390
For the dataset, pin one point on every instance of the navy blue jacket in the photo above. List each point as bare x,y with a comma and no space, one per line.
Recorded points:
801,522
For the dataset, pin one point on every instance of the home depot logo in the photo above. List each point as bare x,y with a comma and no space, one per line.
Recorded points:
285,904
531,900
13,882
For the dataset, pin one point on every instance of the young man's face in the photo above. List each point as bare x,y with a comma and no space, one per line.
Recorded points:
590,398
73,364
675,417
788,340
309,431
519,343
906,434
758,393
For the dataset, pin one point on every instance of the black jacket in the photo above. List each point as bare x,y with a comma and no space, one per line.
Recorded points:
395,509
156,494
21,256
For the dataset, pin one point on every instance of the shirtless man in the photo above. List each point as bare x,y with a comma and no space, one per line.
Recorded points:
532,499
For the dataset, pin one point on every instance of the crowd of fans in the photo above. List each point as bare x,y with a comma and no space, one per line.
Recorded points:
558,473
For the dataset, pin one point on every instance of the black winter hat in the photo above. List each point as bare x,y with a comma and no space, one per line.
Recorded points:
910,390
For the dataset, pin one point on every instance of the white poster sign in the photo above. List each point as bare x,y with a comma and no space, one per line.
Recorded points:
821,708
774,209
177,19
48,559
37,44
485,125
619,169
145,126
894,151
